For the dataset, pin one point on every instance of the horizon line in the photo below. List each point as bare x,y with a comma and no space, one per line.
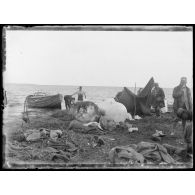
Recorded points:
76,85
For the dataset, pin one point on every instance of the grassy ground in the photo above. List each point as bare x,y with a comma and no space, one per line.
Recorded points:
38,154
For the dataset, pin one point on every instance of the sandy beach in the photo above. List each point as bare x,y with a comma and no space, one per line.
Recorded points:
20,153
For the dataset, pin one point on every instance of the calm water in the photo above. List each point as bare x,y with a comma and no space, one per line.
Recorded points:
16,94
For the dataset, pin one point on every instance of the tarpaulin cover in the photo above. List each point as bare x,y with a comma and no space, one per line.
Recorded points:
137,104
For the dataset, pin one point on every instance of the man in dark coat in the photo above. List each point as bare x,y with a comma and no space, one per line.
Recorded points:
182,105
69,100
158,98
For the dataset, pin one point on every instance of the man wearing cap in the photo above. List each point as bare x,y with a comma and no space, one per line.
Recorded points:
158,98
182,105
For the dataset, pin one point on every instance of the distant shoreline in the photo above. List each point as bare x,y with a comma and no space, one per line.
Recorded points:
77,85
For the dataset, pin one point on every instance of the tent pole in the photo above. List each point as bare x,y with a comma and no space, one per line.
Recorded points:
135,89
134,101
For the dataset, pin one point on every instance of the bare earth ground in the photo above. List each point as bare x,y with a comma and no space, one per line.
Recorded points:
33,154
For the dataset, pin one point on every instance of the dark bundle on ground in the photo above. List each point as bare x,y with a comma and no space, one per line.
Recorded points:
184,114
188,138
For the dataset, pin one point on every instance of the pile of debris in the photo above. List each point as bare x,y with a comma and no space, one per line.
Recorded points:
145,153
51,145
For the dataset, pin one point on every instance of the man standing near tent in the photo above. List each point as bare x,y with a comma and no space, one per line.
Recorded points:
158,98
182,103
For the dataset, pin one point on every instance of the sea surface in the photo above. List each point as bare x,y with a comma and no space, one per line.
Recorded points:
16,94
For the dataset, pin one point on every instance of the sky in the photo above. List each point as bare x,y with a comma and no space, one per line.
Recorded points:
98,58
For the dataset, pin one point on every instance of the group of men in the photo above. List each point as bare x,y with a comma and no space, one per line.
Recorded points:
182,107
181,95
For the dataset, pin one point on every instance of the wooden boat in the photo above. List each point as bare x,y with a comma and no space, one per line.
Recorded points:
43,100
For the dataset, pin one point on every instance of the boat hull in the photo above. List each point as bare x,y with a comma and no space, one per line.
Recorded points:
52,101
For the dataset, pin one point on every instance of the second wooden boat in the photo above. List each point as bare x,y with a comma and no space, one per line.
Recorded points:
42,100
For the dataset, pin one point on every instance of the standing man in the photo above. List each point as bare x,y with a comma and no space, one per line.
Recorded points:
158,98
81,94
69,101
182,103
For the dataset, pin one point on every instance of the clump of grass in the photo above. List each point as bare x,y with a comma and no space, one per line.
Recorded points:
17,135
50,123
63,115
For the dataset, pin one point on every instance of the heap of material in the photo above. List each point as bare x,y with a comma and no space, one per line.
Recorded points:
113,110
136,104
85,112
141,153
102,115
